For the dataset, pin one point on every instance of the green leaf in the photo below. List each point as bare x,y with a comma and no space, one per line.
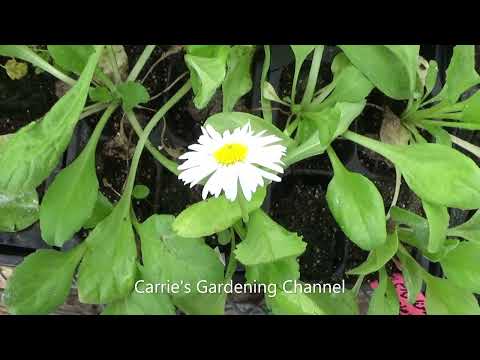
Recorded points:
276,272
213,215
349,85
140,192
267,241
417,224
421,79
301,52
103,207
238,81
309,148
70,199
461,73
170,257
337,304
469,230
303,299
443,297
378,257
107,272
447,247
232,120
461,266
471,110
436,173
25,53
438,220
384,300
418,234
34,151
269,93
132,94
17,212
202,304
72,58
318,129
141,302
333,121
357,206
293,303
207,65
42,281
225,237
431,78
391,68
101,94
440,175
441,135
412,274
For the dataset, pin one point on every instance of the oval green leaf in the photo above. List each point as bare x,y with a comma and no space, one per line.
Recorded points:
213,215
378,257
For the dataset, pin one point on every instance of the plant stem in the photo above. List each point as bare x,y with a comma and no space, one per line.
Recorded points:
424,274
320,96
93,109
146,133
383,149
169,164
460,125
336,163
266,105
243,206
438,111
398,183
287,122
358,285
417,137
313,75
106,81
232,261
475,150
141,62
101,124
169,86
44,65
291,127
173,50
240,230
114,64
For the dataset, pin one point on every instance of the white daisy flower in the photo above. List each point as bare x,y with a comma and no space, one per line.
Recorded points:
238,157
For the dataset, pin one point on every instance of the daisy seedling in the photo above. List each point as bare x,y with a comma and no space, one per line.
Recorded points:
124,259
231,159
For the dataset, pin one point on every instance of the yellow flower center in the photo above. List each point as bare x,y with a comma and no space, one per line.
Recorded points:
230,154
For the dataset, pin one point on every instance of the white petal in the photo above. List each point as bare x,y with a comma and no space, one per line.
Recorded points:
197,159
246,184
268,175
197,147
213,133
210,184
230,182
